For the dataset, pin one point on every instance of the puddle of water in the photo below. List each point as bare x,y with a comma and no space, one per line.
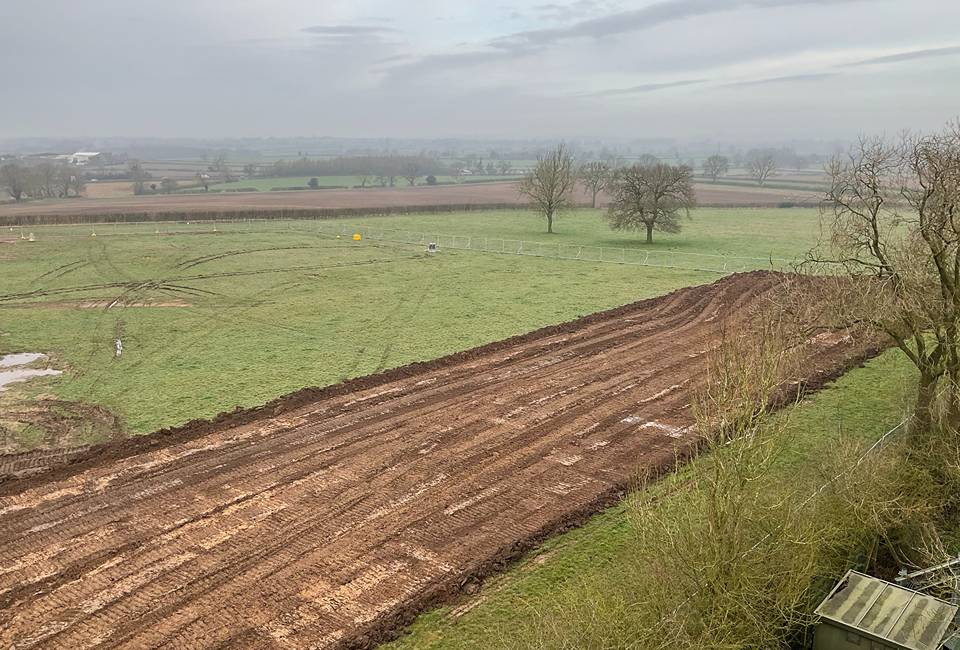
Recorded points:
23,374
22,359
17,373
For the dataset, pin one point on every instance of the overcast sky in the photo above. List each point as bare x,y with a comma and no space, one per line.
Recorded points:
725,69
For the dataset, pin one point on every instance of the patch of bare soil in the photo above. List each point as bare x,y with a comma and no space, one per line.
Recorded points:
52,431
331,517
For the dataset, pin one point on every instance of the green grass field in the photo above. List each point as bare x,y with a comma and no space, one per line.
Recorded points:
512,609
256,310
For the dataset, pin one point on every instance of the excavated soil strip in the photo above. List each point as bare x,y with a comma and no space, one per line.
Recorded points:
331,517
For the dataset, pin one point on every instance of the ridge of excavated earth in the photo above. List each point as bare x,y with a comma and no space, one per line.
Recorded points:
331,517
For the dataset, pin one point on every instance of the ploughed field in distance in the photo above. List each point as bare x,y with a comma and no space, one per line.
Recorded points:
332,517
502,194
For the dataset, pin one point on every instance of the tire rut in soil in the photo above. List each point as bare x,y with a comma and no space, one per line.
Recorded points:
331,517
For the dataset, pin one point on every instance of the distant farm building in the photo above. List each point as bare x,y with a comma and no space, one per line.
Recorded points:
85,157
863,613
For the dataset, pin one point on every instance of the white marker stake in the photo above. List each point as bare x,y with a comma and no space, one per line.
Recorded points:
118,344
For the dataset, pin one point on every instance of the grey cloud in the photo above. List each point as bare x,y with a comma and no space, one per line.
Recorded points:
640,19
443,62
909,56
647,88
564,12
816,76
347,30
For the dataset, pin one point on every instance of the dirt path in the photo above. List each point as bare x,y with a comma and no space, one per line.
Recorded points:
333,522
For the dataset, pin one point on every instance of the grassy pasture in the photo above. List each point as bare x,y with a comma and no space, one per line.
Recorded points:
212,320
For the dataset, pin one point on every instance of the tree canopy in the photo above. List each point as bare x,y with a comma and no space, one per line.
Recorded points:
550,184
651,197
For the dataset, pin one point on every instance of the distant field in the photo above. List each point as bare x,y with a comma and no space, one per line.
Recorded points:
267,184
218,205
213,320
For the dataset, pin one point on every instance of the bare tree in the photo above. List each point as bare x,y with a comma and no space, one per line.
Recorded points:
651,198
46,175
716,166
139,176
550,184
893,219
595,176
68,179
761,165
168,185
648,160
412,170
15,179
504,166
77,183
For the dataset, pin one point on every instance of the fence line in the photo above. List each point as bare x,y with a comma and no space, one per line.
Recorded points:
681,260
709,262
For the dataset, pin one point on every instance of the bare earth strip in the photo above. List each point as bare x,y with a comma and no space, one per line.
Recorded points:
477,194
332,522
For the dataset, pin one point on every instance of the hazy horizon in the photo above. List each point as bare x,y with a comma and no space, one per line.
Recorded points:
727,70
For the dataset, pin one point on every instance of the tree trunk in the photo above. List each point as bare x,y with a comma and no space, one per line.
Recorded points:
649,233
926,397
593,203
550,223
953,412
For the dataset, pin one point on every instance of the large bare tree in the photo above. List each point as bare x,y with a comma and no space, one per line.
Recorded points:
761,165
716,166
651,198
893,257
550,184
15,179
412,169
595,176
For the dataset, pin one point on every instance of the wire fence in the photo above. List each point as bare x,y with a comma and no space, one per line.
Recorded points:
710,262
637,256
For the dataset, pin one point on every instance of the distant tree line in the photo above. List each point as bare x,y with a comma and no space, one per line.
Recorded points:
383,170
46,180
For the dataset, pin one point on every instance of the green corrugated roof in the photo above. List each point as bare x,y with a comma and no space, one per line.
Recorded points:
888,612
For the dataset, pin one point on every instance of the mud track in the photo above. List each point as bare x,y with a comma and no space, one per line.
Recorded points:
331,517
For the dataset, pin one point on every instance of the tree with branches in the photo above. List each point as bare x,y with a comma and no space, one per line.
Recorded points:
716,166
761,165
139,176
15,179
595,176
412,169
892,258
550,184
651,198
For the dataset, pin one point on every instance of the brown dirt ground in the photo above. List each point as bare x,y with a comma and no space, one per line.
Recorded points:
331,517
477,194
108,189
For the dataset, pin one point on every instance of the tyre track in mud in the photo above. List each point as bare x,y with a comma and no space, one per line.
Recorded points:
331,519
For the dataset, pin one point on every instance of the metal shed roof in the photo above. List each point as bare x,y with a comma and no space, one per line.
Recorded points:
887,612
